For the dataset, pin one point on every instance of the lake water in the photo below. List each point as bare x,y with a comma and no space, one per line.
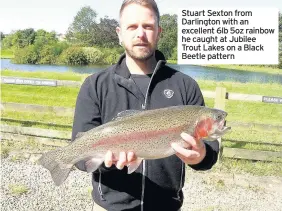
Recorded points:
196,72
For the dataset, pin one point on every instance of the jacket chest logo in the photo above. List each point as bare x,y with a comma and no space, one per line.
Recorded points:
168,93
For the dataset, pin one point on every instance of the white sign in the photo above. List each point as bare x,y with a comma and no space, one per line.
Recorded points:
28,81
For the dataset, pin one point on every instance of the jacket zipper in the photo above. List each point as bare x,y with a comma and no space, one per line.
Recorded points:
99,186
181,179
144,106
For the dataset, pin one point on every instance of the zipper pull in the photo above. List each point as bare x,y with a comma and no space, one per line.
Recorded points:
143,106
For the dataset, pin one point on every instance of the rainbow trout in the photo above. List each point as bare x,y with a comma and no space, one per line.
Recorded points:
147,133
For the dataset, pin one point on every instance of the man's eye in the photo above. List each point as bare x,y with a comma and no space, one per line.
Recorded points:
131,27
148,27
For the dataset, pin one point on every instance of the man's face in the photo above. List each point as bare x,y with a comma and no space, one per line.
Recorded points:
138,31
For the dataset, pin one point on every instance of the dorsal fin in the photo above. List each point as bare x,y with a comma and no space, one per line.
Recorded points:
126,113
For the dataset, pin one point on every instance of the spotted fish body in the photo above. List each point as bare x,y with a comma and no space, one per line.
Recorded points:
148,134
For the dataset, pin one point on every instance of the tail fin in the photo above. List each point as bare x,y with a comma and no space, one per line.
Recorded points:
58,170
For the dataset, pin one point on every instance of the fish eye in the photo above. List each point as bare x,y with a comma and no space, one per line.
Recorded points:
218,116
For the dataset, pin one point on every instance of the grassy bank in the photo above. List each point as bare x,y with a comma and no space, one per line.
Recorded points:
249,68
7,54
258,168
241,111
269,89
70,76
49,96
273,89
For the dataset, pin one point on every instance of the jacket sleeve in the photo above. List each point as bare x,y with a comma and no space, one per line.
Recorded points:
87,112
195,97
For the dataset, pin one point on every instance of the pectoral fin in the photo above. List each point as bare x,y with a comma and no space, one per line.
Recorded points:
134,165
93,164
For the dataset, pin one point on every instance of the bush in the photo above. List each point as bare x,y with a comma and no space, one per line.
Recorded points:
26,55
280,60
111,56
73,56
93,55
47,55
174,54
60,47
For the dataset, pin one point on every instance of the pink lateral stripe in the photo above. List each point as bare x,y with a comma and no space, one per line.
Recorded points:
136,136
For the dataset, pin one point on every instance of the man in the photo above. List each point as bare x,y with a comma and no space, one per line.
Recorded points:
140,80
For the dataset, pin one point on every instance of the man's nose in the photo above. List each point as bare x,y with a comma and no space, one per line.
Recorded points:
140,32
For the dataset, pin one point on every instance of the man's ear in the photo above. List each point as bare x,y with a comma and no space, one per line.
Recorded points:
118,31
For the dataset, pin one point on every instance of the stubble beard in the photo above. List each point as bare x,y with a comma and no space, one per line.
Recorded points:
143,55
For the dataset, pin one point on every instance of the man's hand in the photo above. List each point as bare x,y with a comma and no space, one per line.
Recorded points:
194,153
123,159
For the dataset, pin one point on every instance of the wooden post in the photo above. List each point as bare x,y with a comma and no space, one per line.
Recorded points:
219,103
220,94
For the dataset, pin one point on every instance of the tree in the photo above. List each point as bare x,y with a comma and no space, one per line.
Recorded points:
87,32
43,37
2,35
168,39
280,22
23,38
106,35
7,42
81,31
280,28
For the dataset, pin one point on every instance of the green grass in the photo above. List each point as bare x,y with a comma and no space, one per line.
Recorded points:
18,189
253,139
170,61
253,135
251,112
268,89
247,111
254,112
257,168
7,54
47,117
44,119
240,111
252,146
30,144
249,68
39,125
49,96
71,76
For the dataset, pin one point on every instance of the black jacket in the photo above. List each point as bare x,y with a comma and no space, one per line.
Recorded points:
156,184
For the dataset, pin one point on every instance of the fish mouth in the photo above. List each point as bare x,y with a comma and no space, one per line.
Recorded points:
221,124
220,132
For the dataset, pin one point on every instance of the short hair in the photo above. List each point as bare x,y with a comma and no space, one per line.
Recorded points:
145,3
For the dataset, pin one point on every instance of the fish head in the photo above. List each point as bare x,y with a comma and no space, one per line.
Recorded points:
211,125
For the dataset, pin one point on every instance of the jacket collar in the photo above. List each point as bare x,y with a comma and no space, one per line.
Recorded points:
122,69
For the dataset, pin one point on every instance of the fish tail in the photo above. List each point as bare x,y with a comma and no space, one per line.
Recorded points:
58,170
